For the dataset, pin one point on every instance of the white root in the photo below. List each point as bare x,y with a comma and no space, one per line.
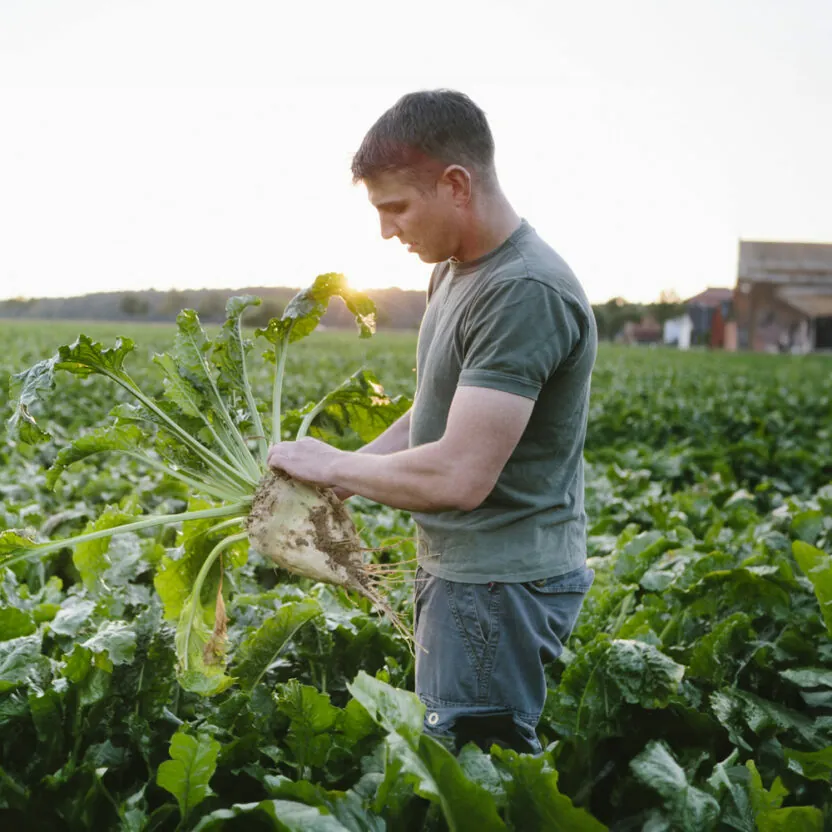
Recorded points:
309,532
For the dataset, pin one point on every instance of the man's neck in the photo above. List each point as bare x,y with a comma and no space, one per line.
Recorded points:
493,221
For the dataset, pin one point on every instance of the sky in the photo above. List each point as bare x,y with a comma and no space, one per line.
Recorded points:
180,144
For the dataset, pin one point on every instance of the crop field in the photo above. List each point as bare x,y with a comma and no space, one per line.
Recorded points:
695,692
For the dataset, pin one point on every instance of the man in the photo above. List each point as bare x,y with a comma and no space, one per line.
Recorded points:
490,457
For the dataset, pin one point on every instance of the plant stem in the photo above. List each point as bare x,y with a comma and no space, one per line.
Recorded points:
200,580
215,490
214,461
278,386
309,418
238,509
252,405
236,437
224,525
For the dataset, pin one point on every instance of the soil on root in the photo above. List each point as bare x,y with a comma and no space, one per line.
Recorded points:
323,525
327,522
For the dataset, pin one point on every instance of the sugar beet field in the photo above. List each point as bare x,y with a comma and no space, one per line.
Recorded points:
695,694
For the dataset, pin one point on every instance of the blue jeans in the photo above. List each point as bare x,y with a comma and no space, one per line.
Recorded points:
481,651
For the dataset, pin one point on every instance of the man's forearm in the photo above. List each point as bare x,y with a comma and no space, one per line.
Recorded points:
395,438
417,479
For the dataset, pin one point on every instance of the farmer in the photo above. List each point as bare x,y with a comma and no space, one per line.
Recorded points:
490,457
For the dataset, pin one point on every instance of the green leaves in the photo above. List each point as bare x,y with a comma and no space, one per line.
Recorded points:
813,765
301,316
116,640
738,710
14,546
81,358
604,676
432,769
285,815
397,711
230,347
19,659
15,623
359,403
639,553
642,673
260,649
312,717
101,440
305,310
85,357
229,356
687,807
769,817
201,631
187,774
533,798
704,630
192,385
178,571
28,387
91,558
817,566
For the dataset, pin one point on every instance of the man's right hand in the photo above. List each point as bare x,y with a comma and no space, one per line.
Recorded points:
342,493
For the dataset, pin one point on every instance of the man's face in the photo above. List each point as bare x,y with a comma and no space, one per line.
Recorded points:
424,219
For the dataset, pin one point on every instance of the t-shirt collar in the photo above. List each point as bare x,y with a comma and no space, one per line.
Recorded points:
468,266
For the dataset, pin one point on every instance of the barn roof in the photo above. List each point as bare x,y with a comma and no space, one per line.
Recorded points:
772,262
712,296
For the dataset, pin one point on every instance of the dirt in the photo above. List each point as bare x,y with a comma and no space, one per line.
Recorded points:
334,533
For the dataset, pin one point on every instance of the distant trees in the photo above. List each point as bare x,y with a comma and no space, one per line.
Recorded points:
173,302
260,315
211,306
18,306
134,305
668,307
612,316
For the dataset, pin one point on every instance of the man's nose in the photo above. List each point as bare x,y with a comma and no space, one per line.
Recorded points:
388,229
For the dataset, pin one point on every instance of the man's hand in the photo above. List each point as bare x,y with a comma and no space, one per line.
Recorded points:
307,459
342,493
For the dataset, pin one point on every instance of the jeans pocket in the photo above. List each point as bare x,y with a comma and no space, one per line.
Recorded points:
420,578
476,608
578,580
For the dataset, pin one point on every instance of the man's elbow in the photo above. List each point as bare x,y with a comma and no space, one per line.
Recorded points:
468,503
471,495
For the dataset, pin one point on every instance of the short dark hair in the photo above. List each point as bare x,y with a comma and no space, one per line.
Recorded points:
442,126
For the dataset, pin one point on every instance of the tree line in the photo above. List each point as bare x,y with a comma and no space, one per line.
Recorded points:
397,308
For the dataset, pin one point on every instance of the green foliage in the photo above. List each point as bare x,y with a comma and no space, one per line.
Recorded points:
261,648
699,673
817,566
304,311
193,761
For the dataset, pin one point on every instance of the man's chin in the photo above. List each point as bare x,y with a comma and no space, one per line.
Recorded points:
425,257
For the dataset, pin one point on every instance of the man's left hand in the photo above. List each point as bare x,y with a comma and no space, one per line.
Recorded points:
307,459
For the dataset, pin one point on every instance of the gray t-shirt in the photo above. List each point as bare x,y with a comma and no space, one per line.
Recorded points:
515,320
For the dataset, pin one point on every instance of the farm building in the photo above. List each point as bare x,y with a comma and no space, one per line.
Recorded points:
708,312
677,332
646,331
783,299
704,320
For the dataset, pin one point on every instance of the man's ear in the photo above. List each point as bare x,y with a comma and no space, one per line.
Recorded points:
458,180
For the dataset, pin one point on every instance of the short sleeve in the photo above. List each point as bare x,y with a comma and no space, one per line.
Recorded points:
517,333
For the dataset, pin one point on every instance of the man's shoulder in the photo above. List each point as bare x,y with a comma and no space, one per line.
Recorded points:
533,262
